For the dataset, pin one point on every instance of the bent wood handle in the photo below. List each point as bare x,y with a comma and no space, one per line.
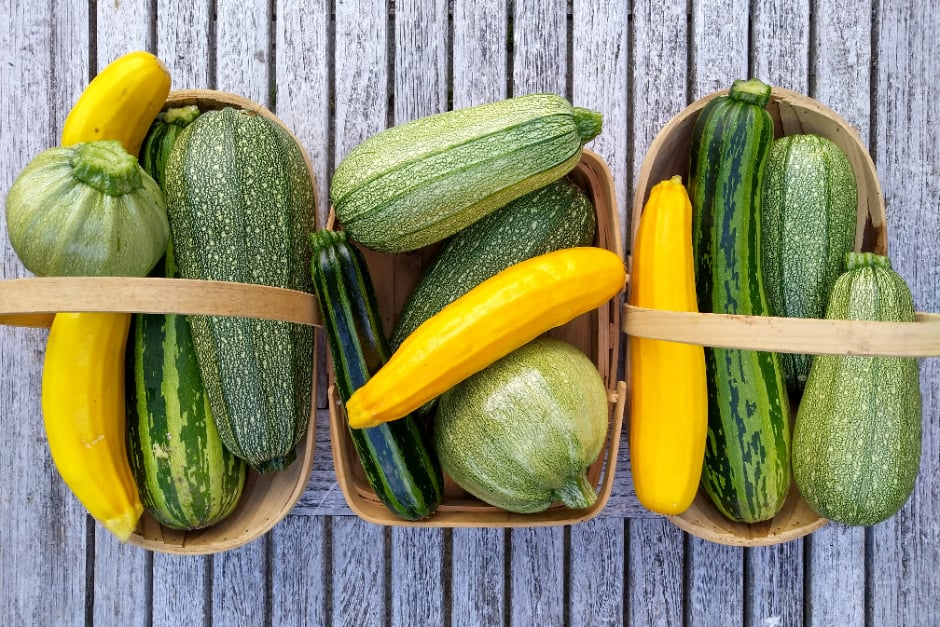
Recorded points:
788,335
33,302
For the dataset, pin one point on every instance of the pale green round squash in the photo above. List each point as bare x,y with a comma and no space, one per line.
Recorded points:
87,210
521,433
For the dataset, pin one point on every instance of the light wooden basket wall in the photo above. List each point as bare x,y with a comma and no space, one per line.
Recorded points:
668,155
266,498
596,333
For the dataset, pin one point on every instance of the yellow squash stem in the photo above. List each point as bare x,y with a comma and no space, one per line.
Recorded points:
83,411
669,398
83,376
491,320
120,102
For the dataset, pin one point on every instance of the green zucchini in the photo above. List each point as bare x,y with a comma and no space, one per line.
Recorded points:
398,461
160,138
422,181
857,438
747,458
186,478
809,214
556,216
241,203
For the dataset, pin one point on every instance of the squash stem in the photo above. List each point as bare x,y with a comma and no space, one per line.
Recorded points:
753,91
589,123
854,260
106,166
577,493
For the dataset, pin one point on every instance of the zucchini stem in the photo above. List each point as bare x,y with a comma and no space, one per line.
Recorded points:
590,123
752,91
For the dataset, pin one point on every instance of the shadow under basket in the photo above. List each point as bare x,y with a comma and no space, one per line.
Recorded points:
668,155
266,498
595,333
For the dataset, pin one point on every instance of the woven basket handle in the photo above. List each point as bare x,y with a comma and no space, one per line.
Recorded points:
33,302
920,338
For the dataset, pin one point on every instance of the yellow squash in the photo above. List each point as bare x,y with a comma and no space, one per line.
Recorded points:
491,320
83,409
669,398
83,373
120,102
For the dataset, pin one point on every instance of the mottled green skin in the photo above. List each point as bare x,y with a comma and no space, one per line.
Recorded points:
420,182
747,456
241,204
857,438
398,461
111,222
556,216
810,207
185,476
160,139
521,433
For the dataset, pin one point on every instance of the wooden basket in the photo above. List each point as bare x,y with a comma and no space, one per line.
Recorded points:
668,155
595,333
266,498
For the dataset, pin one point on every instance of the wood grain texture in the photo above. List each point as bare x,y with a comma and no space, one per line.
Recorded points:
835,565
715,584
420,76
182,44
597,573
417,571
780,46
121,575
656,573
774,579
905,549
540,47
359,573
480,71
300,567
323,496
478,577
243,49
537,557
181,588
719,51
239,585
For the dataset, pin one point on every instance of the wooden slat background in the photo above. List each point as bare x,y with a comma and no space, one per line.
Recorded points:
338,71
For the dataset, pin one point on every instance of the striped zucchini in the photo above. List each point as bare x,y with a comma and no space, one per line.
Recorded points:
422,181
160,139
241,203
857,438
809,214
398,461
556,216
185,476
747,457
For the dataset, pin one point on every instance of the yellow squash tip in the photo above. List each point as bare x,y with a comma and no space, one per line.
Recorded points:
124,525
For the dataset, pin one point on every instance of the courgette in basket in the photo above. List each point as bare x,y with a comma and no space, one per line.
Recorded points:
668,391
398,461
241,204
808,219
553,217
162,135
494,318
187,479
420,182
857,438
747,456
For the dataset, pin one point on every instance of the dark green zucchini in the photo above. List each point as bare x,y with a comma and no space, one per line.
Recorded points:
160,139
399,462
747,457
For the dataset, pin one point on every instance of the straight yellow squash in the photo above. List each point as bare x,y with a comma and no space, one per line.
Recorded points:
83,372
494,318
669,397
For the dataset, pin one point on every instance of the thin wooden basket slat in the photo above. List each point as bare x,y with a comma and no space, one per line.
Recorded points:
596,333
668,155
266,498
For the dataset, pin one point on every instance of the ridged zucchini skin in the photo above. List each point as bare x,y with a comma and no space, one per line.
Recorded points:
399,462
556,216
747,456
186,478
420,182
241,204
857,438
809,214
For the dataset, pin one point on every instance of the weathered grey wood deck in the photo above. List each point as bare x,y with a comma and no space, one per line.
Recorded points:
338,71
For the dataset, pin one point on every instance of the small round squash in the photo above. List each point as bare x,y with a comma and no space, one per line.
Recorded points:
521,433
87,210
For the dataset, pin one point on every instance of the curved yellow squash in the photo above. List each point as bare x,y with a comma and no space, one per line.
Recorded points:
120,102
83,373
83,409
669,398
499,315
